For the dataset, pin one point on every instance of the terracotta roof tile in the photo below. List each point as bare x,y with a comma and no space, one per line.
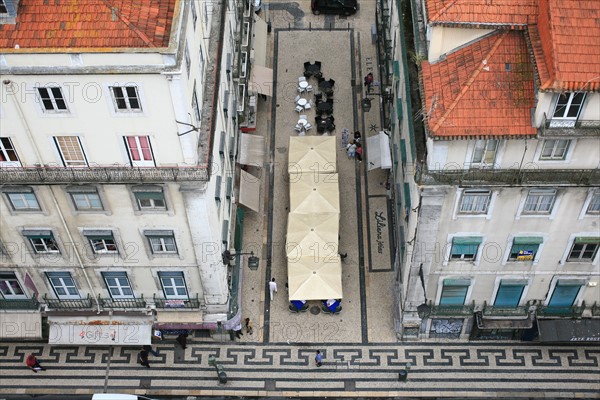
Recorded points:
89,24
485,12
483,89
566,45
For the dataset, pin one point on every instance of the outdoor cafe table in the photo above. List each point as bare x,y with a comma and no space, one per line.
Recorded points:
325,107
326,86
325,124
302,102
312,70
303,84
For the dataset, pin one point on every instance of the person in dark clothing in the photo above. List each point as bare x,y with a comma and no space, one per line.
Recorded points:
143,358
33,363
182,340
149,349
359,151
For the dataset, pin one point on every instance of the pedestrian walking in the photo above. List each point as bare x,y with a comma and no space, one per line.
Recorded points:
272,287
359,152
149,349
143,358
351,149
357,136
318,359
182,340
33,363
248,324
369,81
238,331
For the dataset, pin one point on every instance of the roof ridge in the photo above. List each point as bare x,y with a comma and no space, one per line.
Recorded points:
443,9
129,24
470,81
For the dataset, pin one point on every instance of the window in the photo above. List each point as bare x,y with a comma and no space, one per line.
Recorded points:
484,152
454,292
565,293
525,248
465,248
63,285
126,98
173,284
71,151
8,155
3,9
139,150
195,106
584,249
475,201
509,293
101,241
86,199
218,179
10,286
194,14
539,201
568,105
42,241
188,60
554,149
594,206
118,285
161,241
52,99
150,198
23,199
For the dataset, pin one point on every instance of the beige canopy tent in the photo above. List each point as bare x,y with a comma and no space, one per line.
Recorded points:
314,193
312,235
312,278
315,154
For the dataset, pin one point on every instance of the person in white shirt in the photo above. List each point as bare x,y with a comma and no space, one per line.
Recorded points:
272,287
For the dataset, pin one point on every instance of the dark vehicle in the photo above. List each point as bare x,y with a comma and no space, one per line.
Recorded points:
344,7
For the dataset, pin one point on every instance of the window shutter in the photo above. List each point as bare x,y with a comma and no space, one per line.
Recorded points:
587,240
218,188
509,294
37,233
154,232
528,240
467,240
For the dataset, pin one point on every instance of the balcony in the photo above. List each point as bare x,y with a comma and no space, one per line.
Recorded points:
568,312
493,311
20,304
97,174
569,128
596,310
508,177
190,303
122,303
446,310
68,304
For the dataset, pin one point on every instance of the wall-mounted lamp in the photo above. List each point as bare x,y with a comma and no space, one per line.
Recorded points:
253,261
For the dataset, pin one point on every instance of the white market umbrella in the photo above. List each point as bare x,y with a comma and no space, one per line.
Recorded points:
312,235
315,279
314,193
314,154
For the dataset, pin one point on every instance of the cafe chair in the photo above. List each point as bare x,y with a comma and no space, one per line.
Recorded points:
306,64
299,108
297,98
318,97
301,79
308,126
332,82
308,105
309,88
298,128
293,309
301,89
303,117
318,64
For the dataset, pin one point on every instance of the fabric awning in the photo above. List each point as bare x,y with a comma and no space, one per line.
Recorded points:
249,191
312,154
261,80
314,193
20,325
378,151
179,320
569,330
311,278
101,330
252,150
312,235
259,42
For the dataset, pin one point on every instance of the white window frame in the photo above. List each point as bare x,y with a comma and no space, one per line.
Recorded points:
12,196
62,284
593,193
484,144
100,243
194,14
509,278
143,161
7,281
540,194
45,244
53,99
158,244
476,193
4,151
565,257
510,242
144,191
118,286
3,8
578,299
126,98
568,106
167,280
70,151
554,144
86,194
188,59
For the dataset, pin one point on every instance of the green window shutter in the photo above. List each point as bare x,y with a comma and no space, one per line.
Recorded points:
403,151
528,240
457,282
467,240
218,188
37,233
397,69
229,187
399,108
464,248
587,240
407,196
149,195
571,282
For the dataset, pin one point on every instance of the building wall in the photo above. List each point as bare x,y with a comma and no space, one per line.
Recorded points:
443,40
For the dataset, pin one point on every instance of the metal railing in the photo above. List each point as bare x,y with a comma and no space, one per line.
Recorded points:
68,304
113,174
518,311
189,303
562,127
451,310
122,303
20,304
508,177
596,310
569,311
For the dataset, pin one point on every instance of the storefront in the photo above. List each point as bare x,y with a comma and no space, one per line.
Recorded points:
569,330
108,330
486,328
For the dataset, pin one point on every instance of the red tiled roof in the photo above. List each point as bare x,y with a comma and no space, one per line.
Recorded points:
484,12
483,89
566,44
89,24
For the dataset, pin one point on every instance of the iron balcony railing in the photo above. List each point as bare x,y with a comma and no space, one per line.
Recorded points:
113,174
509,177
571,128
122,303
189,303
569,311
20,304
518,311
447,310
596,310
68,304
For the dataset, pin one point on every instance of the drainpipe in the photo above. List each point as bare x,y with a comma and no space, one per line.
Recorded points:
8,84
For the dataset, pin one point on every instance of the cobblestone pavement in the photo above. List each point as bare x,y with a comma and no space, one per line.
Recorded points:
439,370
